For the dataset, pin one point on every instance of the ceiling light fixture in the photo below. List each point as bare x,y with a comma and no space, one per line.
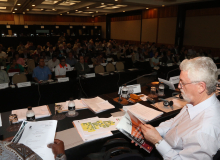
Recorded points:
92,15
27,9
147,8
163,5
23,12
61,14
18,4
42,9
102,3
16,9
116,0
87,7
67,12
123,11
97,11
13,12
76,10
33,5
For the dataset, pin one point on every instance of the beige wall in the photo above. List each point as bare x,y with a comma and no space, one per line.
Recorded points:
167,30
126,30
149,30
202,31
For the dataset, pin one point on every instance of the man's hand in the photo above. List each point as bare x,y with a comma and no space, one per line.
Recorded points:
57,147
150,133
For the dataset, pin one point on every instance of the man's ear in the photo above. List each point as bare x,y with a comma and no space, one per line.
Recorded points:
201,87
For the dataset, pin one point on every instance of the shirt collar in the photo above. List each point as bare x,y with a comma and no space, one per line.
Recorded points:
195,110
62,66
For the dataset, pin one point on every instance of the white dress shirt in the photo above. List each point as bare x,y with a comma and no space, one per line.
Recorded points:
52,64
61,71
193,134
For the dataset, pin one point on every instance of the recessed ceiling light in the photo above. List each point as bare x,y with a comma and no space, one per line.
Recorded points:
13,12
23,12
33,5
2,7
116,0
123,11
76,10
16,9
61,14
53,9
110,4
67,12
102,3
163,5
80,11
87,7
42,9
92,15
97,11
27,9
18,4
147,8
115,7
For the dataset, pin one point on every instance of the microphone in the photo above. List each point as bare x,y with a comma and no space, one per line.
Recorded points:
166,102
170,72
151,74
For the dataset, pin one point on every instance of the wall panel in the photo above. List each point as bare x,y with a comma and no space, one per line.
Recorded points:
149,30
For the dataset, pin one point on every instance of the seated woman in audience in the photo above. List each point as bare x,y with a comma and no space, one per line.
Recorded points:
155,60
14,66
19,60
16,151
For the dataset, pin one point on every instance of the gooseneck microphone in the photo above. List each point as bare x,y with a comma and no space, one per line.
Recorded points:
170,72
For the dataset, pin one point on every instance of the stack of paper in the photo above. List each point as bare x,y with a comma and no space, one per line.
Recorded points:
40,112
143,113
96,128
78,104
97,104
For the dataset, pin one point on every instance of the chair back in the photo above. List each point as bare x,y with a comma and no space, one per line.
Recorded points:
99,69
110,67
18,78
120,66
31,65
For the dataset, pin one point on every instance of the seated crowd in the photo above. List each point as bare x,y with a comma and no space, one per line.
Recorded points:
60,57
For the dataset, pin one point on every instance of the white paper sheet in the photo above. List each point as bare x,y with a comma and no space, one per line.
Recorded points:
0,120
40,112
37,135
170,84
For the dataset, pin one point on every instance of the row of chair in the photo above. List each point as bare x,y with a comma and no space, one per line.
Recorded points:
109,67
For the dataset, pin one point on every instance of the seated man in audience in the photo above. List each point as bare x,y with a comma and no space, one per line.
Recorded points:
82,67
12,52
70,60
155,60
50,53
53,62
14,66
41,72
194,132
9,150
60,70
25,54
3,76
19,60
99,59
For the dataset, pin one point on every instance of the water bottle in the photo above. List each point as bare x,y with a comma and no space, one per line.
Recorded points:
161,90
71,107
30,114
124,92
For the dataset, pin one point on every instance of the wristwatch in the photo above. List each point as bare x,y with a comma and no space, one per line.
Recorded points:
61,157
156,144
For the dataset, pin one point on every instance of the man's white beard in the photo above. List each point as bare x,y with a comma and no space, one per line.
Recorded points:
186,98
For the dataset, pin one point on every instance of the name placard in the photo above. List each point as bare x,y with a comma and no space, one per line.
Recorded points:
65,79
136,88
12,73
90,75
90,66
3,85
72,68
169,64
2,67
147,60
103,64
114,63
175,79
24,84
129,56
109,59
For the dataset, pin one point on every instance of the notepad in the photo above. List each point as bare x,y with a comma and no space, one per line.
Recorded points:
40,112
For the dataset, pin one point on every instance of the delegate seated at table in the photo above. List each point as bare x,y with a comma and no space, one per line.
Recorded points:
60,70
155,60
41,72
14,65
19,59
71,60
53,62
195,132
82,67
3,76
16,151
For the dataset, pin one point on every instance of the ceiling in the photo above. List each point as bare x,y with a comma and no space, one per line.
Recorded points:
83,7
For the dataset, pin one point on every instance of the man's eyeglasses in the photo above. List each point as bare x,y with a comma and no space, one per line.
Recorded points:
183,84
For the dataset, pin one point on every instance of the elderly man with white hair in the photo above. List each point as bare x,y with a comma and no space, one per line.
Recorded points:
195,132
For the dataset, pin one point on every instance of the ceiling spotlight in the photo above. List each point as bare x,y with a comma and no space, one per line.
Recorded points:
116,0
23,12
67,12
92,15
13,12
42,9
97,11
123,11
87,7
61,14
76,10
53,9
147,8
27,9
16,9
102,3
163,5
18,4
33,5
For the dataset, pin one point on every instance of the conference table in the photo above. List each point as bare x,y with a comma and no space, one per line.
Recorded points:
84,149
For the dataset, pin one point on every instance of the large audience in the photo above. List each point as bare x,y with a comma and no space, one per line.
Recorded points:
61,56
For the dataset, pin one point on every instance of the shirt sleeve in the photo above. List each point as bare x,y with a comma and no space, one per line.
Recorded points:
201,146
